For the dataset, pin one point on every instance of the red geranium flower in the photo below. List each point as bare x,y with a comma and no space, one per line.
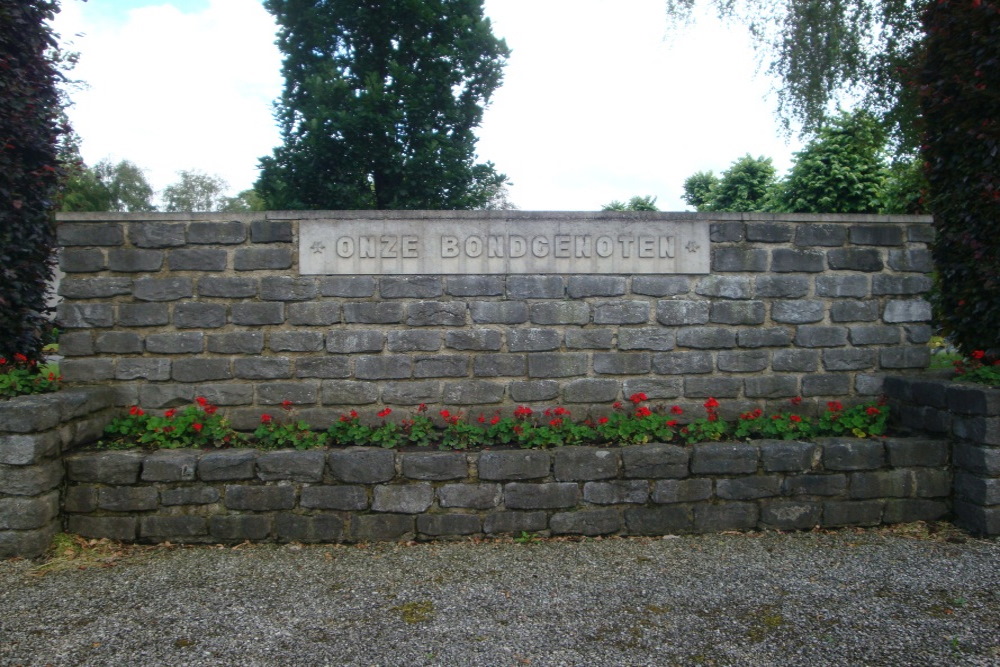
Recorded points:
266,419
834,406
602,420
676,410
643,412
795,401
522,411
169,413
286,404
637,398
672,422
20,357
795,418
136,410
617,405
556,423
873,411
385,413
495,420
202,401
711,403
211,409
197,427
977,354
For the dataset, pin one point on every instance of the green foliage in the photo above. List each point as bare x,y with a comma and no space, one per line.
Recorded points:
30,174
755,424
458,433
647,203
905,189
698,189
196,426
348,430
860,421
842,170
636,426
960,97
286,431
822,51
380,105
195,191
21,376
748,185
978,367
244,201
106,187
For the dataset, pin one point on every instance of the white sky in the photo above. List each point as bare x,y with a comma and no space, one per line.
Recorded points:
598,102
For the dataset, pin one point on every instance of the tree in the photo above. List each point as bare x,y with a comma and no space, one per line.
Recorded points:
108,186
647,203
748,185
380,104
247,200
29,171
698,189
827,51
842,170
195,191
960,96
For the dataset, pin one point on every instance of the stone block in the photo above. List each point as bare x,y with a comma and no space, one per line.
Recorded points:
295,341
545,365
851,454
654,388
514,522
826,385
150,234
84,315
585,463
347,286
389,367
103,527
412,287
670,491
436,313
907,310
353,341
274,393
932,482
771,386
190,495
900,285
798,311
344,498
362,465
301,466
411,393
197,259
162,289
739,260
77,234
622,312
104,467
591,390
373,313
786,260
228,287
815,485
322,367
881,484
127,498
586,522
560,312
480,340
535,287
313,314
216,233
854,311
918,334
225,465
500,365
287,288
661,285
473,392
654,461
977,489
725,287
976,458
853,512
706,338
652,338
550,495
403,499
821,336
257,314
533,340
80,498
28,448
440,525
312,528
748,488
616,492
537,390
199,315
915,260
977,519
723,459
200,370
514,465
874,335
921,233
843,286
176,465
908,510
725,516
119,342
94,288
868,385
622,363
271,231
414,341
348,392
583,286
667,520
187,342
474,496
726,232
434,466
881,235
855,259
848,359
29,513
173,527
680,312
161,395
717,387
259,259
781,287
817,234
905,357
441,365
499,312
87,260
743,361
790,514
76,343
240,527
381,527
259,498
474,285
134,261
969,399
682,363
87,370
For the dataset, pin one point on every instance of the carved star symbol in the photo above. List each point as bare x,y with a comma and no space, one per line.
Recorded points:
692,246
317,247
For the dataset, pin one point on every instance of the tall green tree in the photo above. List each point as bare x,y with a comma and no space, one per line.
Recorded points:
748,185
380,103
195,191
107,186
826,52
30,174
637,203
698,189
843,169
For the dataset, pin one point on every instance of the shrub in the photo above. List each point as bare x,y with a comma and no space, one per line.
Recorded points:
22,376
978,367
196,426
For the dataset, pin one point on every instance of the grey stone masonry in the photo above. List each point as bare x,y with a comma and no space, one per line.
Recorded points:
803,293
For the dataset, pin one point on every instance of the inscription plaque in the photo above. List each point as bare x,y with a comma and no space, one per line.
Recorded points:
405,247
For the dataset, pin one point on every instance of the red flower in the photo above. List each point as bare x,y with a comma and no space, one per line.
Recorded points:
197,427
266,419
495,420
712,417
522,411
560,411
286,404
168,429
518,429
556,423
602,420
617,405
676,410
481,418
385,413
211,409
643,412
711,403
637,398
795,418
202,401
354,414
20,357
873,411
795,401
422,407
170,413
834,406
136,410
3,361
977,354
672,422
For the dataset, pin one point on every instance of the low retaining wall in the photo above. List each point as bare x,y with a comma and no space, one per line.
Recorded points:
969,414
34,433
359,494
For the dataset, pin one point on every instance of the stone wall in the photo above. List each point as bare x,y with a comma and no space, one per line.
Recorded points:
34,433
361,494
968,414
166,307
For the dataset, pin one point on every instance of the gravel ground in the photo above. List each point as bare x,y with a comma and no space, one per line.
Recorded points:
850,597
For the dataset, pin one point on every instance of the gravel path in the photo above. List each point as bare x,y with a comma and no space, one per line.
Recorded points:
841,598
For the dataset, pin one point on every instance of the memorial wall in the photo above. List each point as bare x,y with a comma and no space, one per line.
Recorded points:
486,310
